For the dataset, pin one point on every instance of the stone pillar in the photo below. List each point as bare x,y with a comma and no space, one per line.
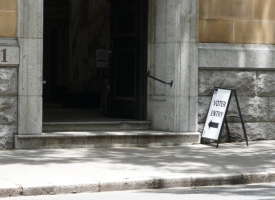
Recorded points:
173,55
30,38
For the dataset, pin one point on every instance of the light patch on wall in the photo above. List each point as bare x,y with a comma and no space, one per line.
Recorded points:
8,24
8,5
253,21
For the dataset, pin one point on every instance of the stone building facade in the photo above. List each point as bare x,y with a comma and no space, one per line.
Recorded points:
198,44
236,50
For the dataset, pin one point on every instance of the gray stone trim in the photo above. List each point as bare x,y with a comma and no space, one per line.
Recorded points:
243,56
8,42
234,69
11,48
30,19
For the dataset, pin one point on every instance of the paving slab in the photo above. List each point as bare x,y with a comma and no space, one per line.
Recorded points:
55,171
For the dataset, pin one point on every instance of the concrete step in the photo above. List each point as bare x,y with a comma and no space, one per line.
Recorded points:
93,139
96,126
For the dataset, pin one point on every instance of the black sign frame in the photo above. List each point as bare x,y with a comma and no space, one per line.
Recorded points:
224,121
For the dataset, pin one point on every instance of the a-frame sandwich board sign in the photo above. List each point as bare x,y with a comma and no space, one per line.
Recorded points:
217,114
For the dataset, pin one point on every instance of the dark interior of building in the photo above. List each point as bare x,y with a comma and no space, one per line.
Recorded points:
77,86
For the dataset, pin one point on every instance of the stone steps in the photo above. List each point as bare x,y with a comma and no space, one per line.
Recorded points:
96,126
103,139
102,134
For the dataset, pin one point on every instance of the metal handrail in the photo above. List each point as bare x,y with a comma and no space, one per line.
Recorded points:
148,74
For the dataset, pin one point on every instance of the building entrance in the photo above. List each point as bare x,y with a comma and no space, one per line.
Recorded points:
76,89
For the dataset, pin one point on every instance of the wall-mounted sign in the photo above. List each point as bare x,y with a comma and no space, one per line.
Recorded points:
102,56
216,113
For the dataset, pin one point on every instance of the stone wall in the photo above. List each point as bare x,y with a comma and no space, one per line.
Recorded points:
8,106
251,71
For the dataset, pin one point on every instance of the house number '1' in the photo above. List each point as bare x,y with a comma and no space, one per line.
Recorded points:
4,55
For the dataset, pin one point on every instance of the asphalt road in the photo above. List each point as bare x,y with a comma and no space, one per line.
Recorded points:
243,192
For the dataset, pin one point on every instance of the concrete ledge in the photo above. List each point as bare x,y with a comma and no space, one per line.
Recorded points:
96,126
138,184
237,56
104,139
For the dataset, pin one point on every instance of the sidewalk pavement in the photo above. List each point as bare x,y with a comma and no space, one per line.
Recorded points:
54,171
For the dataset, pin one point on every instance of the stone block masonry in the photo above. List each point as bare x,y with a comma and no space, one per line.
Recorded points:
8,106
8,18
237,21
256,94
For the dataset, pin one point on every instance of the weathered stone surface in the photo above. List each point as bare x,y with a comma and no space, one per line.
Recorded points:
254,109
6,136
271,109
200,127
265,83
8,107
204,103
8,110
8,81
243,82
255,131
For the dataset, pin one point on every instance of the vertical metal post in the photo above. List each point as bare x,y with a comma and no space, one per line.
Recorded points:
227,130
241,117
224,120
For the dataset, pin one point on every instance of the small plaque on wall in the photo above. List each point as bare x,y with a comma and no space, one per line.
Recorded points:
9,56
102,57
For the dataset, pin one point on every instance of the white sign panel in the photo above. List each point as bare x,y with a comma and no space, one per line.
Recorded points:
102,56
216,114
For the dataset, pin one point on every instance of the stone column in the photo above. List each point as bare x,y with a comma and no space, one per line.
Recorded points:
30,38
173,55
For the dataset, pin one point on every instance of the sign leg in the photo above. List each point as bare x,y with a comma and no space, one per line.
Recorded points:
241,117
227,130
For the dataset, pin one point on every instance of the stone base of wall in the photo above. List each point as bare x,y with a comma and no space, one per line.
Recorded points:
8,107
7,136
255,131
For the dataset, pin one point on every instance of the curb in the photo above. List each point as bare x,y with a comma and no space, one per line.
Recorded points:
138,184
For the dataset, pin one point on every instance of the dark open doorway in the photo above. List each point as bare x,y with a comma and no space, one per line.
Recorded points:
76,89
